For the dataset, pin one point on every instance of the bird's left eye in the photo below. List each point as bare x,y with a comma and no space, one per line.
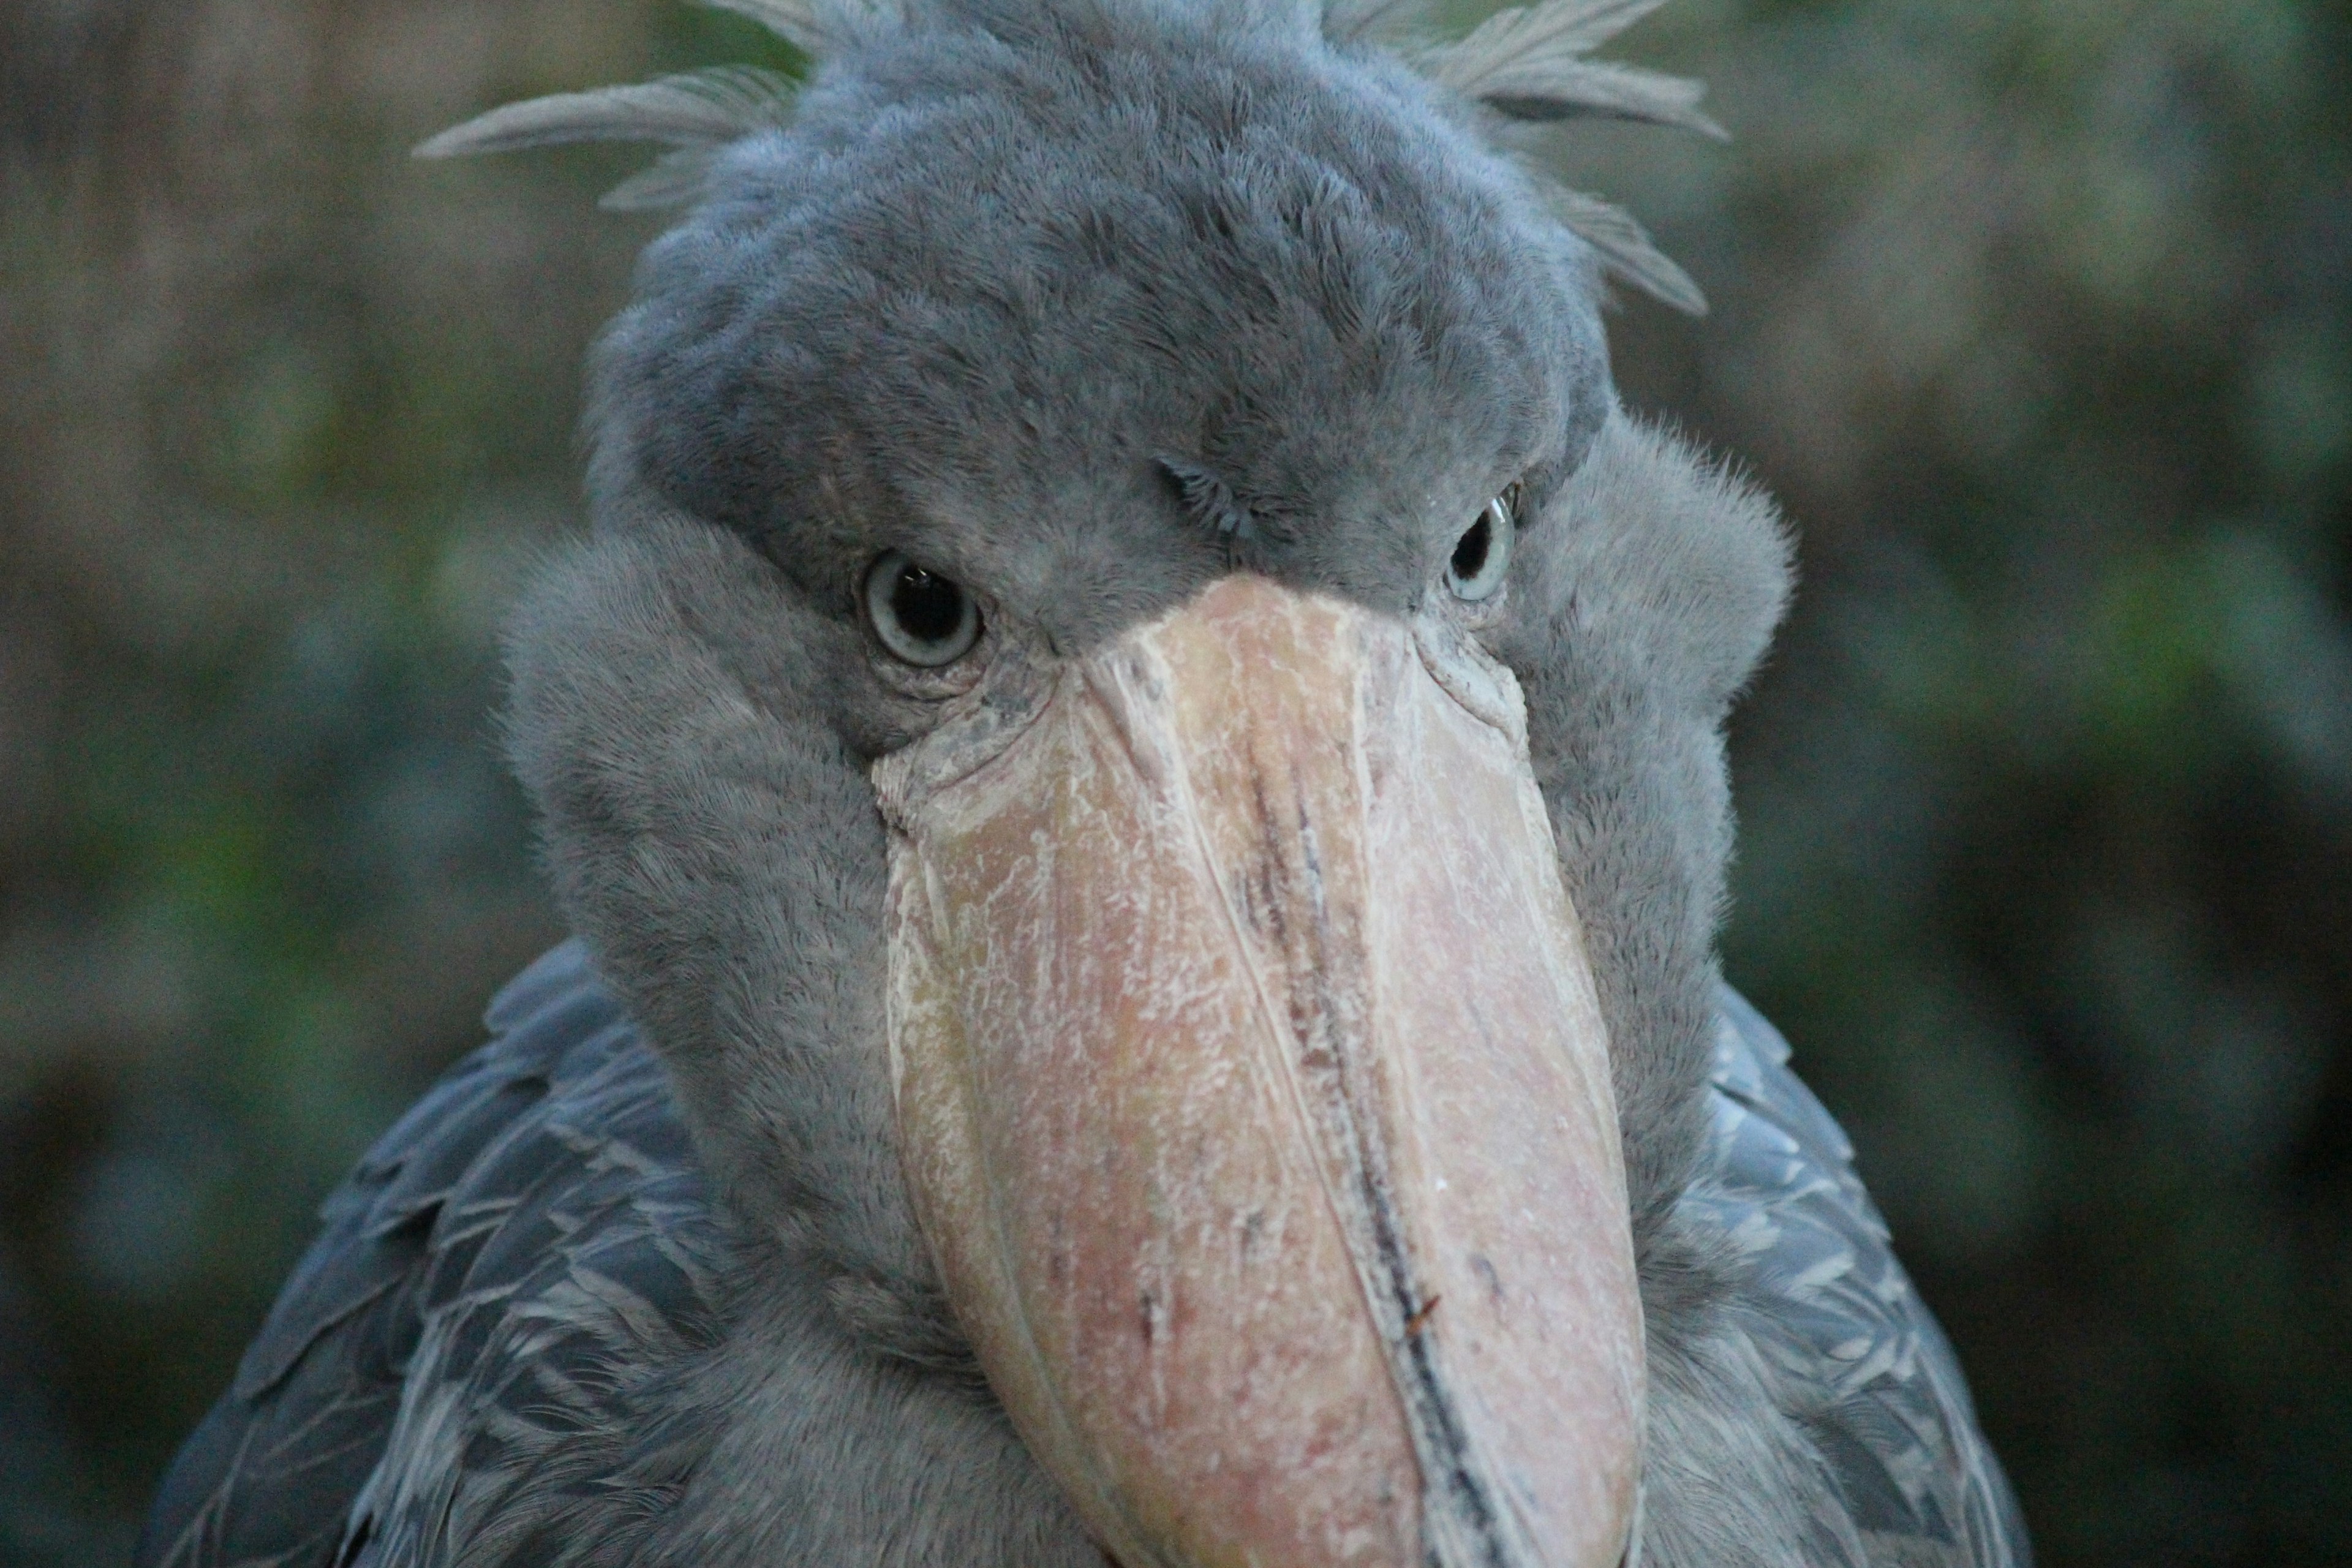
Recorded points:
1482,553
921,617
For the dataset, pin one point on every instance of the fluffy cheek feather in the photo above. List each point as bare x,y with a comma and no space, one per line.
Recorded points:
717,846
1646,593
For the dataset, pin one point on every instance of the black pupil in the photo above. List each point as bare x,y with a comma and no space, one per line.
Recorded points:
927,605
1470,549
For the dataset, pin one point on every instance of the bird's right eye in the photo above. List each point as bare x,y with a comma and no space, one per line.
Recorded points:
920,617
1483,554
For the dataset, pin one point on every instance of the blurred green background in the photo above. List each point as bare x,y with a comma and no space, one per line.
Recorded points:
2037,314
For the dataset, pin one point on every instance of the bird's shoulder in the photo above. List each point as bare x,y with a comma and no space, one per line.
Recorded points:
1883,1397
538,1210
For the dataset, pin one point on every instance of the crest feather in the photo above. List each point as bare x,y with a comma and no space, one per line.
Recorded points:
1603,90
1626,245
1359,21
673,180
700,109
1554,27
1528,63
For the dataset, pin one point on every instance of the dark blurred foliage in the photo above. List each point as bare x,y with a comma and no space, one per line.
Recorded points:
2037,314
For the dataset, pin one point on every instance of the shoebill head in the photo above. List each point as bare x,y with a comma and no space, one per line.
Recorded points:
1140,734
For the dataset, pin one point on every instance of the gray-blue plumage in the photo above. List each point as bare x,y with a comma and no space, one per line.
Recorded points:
539,1220
1834,1309
536,1220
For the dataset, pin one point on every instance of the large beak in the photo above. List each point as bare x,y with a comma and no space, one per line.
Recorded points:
1255,1101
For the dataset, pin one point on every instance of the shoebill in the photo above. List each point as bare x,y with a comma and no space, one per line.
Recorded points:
1135,755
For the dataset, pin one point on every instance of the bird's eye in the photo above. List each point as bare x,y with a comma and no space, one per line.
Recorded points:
919,616
1482,553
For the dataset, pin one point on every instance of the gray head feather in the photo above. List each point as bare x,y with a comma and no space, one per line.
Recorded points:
1523,65
1211,503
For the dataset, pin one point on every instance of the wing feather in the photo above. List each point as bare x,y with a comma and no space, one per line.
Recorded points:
1890,1408
536,1217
